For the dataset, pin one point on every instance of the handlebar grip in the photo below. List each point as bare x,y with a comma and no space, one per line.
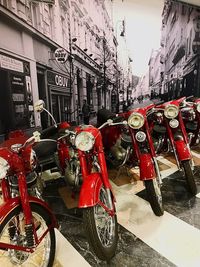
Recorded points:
49,132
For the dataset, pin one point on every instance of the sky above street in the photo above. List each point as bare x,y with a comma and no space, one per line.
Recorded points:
143,29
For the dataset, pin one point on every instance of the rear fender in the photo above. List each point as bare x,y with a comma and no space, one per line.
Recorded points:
89,195
147,169
182,150
11,204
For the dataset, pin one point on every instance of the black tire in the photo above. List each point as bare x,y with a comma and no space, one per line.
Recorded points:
189,176
154,196
17,258
104,249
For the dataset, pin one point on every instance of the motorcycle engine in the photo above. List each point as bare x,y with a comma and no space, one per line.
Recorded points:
34,185
118,152
72,170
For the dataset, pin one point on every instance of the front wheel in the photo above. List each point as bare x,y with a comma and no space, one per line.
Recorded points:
154,196
12,231
101,228
189,177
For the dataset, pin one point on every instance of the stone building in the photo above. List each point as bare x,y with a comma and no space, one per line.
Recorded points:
154,74
61,51
180,73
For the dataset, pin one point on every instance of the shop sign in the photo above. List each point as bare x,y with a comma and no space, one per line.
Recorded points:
11,63
61,55
57,79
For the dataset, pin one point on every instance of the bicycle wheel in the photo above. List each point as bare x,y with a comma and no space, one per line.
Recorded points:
12,231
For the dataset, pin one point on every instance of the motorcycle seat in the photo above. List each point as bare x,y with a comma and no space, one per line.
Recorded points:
103,115
45,149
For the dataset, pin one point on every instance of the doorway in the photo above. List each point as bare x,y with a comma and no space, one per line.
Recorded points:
61,107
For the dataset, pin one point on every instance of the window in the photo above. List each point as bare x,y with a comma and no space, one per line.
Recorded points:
36,15
6,3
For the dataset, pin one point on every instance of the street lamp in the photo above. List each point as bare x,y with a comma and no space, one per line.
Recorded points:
122,34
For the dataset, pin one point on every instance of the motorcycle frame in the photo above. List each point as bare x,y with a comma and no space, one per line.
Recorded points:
180,147
17,167
147,161
197,118
92,182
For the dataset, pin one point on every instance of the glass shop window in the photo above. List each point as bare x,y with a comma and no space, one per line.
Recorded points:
20,107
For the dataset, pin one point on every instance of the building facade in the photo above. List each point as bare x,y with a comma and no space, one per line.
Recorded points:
154,74
180,73
61,52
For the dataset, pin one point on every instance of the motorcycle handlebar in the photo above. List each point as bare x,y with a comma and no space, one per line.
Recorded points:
190,97
36,139
111,123
50,131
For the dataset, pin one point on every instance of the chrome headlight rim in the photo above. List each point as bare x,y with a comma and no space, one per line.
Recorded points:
140,136
4,167
140,119
84,141
175,110
174,123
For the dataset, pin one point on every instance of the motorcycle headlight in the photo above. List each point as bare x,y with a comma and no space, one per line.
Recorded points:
171,111
136,120
84,141
4,167
140,136
174,123
198,107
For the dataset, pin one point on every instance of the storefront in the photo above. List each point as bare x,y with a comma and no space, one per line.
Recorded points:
59,96
191,77
16,101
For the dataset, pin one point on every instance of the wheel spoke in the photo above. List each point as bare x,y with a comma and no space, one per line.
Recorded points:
39,258
104,222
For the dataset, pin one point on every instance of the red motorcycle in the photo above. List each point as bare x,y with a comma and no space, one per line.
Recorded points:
171,134
129,143
27,235
191,116
82,163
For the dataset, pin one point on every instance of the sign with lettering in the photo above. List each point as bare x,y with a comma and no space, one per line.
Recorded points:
61,55
57,79
11,63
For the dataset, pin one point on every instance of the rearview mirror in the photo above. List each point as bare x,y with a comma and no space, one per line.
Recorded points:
39,106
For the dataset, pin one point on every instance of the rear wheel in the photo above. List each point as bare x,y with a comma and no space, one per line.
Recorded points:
101,228
189,177
12,231
154,196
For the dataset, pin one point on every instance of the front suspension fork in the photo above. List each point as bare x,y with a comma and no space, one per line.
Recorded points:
26,209
157,170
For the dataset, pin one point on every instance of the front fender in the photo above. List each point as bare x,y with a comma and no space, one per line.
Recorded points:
147,169
89,194
11,204
182,150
